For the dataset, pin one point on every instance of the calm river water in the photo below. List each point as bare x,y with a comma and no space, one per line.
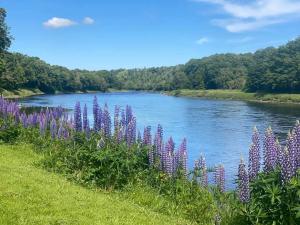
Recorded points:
220,129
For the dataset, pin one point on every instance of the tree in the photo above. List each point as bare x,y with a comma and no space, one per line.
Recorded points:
5,37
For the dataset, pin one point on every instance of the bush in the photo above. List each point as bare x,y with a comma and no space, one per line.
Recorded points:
271,202
9,131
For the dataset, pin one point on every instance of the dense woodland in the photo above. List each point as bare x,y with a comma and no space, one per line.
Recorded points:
266,70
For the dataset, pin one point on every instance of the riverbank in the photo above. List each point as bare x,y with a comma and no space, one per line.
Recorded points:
21,93
31,195
209,94
237,95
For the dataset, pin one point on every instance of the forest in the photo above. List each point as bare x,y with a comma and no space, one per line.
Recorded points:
271,70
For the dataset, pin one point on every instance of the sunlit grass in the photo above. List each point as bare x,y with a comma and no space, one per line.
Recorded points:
31,195
238,95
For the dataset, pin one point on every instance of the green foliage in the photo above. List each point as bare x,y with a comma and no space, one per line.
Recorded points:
268,70
9,131
99,162
30,195
5,38
271,203
276,70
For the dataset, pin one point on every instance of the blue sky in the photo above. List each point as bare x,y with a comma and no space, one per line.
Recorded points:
111,34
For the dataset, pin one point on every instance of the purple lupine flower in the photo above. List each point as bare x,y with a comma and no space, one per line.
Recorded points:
131,132
106,122
23,119
297,137
128,114
292,152
85,119
220,177
60,132
254,156
77,117
285,166
203,168
147,139
87,129
53,128
158,145
270,154
42,125
100,119
66,134
183,157
95,113
116,120
168,157
243,183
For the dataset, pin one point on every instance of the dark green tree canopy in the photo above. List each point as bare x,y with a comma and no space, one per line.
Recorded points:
267,70
5,37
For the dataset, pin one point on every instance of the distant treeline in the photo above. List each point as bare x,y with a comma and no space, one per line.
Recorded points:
267,70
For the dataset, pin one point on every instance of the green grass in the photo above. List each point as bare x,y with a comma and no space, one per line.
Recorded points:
238,95
31,195
21,93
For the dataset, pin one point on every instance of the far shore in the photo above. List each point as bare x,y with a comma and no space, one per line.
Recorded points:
238,95
208,94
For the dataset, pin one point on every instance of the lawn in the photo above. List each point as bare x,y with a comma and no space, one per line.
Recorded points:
238,95
31,195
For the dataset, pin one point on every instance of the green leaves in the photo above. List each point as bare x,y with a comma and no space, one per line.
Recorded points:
271,203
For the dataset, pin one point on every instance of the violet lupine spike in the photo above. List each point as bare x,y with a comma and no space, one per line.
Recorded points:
95,113
285,166
53,128
168,158
158,145
243,183
43,126
85,118
106,122
60,132
128,114
220,177
87,129
77,117
116,120
254,161
203,168
270,154
183,157
147,138
292,152
100,120
297,137
130,133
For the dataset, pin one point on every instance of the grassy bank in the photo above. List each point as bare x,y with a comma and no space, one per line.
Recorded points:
21,93
238,95
31,195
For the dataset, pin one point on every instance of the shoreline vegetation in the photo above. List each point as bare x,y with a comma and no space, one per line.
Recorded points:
27,186
146,169
221,94
238,95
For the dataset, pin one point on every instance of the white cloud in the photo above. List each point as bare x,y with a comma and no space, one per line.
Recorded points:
56,22
88,20
257,14
202,41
